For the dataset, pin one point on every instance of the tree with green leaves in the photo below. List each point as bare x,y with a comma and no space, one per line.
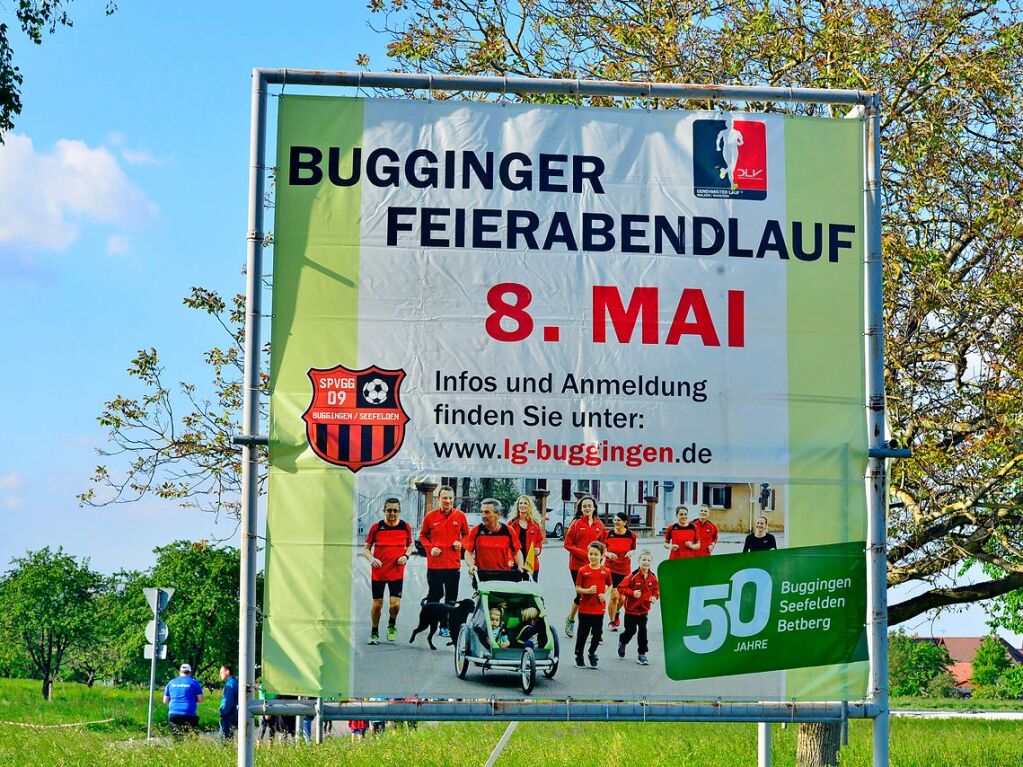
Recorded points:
503,489
109,655
202,617
913,663
35,17
47,600
990,662
176,440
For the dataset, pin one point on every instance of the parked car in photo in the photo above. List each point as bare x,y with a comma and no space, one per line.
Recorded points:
557,523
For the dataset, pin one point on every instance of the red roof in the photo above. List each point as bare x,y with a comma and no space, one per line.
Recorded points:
962,651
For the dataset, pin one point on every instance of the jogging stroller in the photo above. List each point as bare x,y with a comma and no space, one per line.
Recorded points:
531,645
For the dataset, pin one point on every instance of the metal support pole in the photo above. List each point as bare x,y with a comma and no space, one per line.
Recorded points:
509,730
152,667
877,570
763,744
250,426
318,722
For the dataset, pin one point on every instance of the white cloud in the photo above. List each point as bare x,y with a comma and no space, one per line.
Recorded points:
10,481
142,157
10,502
47,196
118,245
131,156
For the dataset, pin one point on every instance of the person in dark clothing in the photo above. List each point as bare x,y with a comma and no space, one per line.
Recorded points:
759,539
229,701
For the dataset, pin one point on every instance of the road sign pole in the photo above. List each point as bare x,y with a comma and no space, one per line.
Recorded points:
152,667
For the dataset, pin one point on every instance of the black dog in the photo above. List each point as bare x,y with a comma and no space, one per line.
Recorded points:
433,614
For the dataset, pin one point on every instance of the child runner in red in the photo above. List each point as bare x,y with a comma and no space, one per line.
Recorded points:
640,590
682,539
591,585
585,529
620,542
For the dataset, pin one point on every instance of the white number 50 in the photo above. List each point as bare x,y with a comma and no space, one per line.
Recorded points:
720,620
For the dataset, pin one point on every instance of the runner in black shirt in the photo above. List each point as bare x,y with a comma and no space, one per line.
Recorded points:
760,539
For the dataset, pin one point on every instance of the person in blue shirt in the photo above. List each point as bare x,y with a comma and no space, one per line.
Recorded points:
182,696
228,703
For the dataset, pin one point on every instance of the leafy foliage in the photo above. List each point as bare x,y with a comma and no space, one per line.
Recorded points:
914,664
502,489
942,685
34,17
187,457
46,601
201,617
1012,681
990,662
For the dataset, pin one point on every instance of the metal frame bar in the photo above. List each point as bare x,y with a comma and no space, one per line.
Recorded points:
877,492
560,711
619,88
250,423
876,707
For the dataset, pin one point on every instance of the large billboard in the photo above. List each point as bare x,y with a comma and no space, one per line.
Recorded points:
650,310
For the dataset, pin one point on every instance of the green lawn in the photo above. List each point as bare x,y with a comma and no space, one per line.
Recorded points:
121,742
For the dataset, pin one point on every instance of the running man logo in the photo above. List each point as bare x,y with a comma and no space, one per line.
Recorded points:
730,159
355,418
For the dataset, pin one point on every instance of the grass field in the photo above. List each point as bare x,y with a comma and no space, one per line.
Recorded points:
121,742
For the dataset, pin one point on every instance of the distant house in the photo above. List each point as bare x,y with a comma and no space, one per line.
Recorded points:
962,651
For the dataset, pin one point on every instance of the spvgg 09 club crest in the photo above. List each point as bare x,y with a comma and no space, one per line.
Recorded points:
355,418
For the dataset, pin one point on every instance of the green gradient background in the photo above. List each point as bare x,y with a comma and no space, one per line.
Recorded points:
310,511
827,421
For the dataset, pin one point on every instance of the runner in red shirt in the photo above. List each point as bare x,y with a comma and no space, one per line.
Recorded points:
492,550
441,536
389,544
584,530
591,584
530,532
620,542
640,591
707,531
682,539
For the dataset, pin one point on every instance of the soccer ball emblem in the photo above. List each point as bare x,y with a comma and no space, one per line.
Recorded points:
375,391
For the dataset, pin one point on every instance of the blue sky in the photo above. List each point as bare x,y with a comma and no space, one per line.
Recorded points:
122,185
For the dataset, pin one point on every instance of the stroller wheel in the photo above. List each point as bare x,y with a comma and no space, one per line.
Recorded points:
462,652
527,670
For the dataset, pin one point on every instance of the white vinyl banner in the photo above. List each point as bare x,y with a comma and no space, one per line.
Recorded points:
657,313
525,349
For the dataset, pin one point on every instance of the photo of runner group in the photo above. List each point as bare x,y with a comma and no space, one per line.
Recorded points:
477,587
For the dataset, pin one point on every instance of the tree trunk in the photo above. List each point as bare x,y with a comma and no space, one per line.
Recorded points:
47,687
818,744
